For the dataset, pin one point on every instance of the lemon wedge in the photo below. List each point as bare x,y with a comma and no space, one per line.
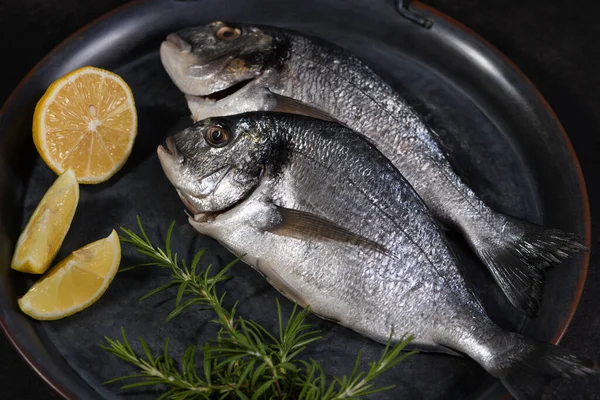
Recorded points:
86,121
47,227
76,282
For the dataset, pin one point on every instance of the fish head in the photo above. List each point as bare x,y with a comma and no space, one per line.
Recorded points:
216,163
217,58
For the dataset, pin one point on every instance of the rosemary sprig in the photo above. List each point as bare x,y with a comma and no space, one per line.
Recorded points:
245,360
200,287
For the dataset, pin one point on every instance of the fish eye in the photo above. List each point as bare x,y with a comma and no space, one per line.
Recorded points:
216,136
228,33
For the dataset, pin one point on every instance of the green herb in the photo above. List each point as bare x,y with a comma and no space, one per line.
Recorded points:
244,361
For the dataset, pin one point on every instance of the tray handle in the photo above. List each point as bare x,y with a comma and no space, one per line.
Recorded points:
402,7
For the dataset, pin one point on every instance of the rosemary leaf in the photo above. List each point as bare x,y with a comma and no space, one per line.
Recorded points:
245,360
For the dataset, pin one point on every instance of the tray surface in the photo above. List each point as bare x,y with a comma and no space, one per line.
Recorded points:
507,145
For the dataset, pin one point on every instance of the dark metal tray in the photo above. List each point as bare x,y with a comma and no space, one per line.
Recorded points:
501,133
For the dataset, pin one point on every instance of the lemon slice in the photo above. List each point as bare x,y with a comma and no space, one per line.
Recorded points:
86,121
47,227
76,282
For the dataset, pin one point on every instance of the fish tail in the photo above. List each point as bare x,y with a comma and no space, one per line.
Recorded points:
517,253
527,368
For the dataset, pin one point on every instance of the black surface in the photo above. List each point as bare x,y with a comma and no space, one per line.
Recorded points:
557,94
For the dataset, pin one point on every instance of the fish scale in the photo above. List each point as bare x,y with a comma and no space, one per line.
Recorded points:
400,134
395,274
289,72
334,261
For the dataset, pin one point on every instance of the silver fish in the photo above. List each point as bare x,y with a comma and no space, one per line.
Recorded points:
331,223
225,69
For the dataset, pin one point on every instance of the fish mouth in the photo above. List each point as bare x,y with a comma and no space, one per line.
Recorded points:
205,217
224,93
176,55
168,154
169,157
202,216
231,90
193,73
170,148
193,212
175,42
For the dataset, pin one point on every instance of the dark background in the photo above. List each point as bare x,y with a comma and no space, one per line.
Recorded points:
555,43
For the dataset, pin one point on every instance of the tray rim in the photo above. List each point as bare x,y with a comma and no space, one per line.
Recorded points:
417,5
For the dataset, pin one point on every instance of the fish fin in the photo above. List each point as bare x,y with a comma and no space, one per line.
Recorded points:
517,255
292,106
530,371
433,347
303,225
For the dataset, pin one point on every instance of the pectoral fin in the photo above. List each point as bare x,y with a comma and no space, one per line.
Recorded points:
293,106
303,225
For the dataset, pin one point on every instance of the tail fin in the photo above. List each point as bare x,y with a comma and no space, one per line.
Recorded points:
517,252
527,373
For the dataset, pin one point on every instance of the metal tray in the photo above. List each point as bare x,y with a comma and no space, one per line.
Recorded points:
502,135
